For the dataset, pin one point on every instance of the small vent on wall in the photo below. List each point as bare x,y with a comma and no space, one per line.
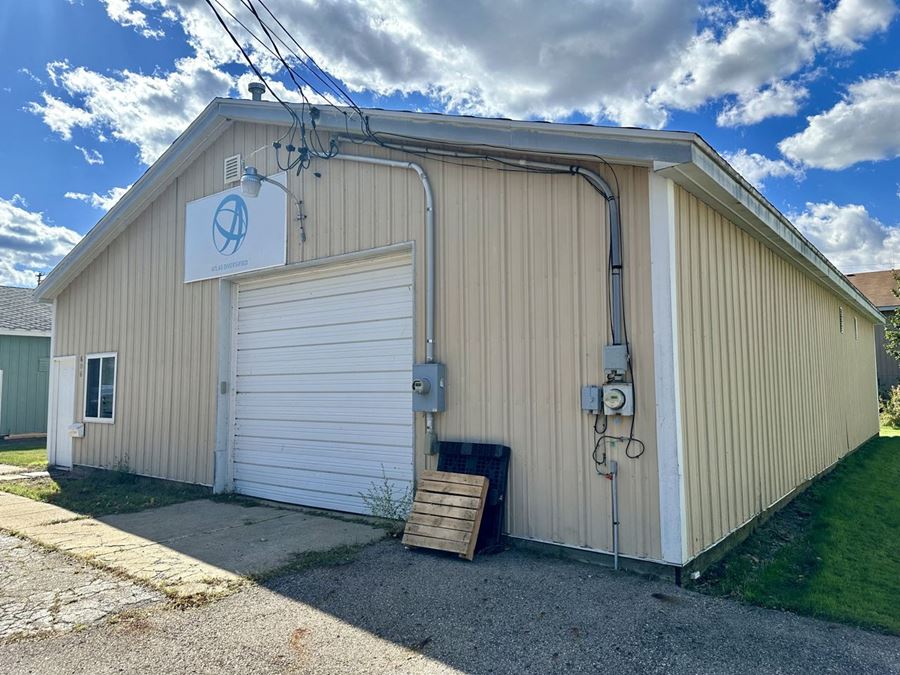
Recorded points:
841,319
232,169
856,328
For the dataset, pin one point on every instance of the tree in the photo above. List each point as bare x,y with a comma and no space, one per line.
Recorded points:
892,325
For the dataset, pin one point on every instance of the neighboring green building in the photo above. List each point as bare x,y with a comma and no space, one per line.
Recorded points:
24,362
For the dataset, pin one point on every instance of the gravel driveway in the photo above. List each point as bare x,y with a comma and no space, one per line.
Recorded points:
394,610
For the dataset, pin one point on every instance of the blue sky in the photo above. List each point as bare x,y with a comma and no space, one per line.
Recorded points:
802,96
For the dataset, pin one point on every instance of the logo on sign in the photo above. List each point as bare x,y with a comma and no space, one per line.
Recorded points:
229,226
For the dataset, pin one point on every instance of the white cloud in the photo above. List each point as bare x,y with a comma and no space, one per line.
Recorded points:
104,202
778,100
146,110
91,156
31,76
757,168
864,126
855,20
121,12
60,116
629,62
28,244
850,236
750,53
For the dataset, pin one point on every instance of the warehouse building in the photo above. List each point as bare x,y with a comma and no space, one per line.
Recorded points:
602,300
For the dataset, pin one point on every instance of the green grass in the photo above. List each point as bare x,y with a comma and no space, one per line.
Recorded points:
890,432
834,552
340,555
29,453
100,493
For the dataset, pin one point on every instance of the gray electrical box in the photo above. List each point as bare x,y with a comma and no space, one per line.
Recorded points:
428,387
590,398
615,361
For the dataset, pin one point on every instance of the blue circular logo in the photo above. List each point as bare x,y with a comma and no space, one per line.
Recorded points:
230,225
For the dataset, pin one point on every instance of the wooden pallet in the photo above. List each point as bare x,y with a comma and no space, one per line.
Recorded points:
446,513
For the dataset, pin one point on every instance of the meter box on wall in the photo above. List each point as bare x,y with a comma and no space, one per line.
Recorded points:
428,387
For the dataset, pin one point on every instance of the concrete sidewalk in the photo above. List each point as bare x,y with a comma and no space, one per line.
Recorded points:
199,548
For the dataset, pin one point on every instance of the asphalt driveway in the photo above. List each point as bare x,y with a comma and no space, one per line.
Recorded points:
393,610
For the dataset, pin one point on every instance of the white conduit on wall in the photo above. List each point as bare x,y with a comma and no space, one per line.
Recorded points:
617,319
429,262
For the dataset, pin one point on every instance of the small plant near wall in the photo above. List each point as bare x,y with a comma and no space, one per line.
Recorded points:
121,470
890,409
386,501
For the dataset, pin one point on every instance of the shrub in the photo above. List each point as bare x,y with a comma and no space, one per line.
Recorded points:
890,409
385,501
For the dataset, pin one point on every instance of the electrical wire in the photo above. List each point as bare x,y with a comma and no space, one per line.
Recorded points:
305,155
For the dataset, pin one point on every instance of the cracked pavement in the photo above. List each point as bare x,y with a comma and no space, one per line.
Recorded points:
42,591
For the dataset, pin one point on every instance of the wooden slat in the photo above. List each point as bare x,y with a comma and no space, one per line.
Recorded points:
439,544
449,477
450,488
444,511
447,500
441,495
470,551
438,532
437,521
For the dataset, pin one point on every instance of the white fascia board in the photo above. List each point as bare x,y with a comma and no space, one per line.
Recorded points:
714,181
667,371
26,333
147,188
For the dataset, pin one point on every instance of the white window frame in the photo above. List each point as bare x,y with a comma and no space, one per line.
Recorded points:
100,355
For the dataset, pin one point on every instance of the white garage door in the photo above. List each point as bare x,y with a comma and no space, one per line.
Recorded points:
323,406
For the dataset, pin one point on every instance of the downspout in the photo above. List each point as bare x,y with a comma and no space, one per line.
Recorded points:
429,263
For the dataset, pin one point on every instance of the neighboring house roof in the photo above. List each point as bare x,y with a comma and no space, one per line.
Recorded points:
681,156
878,287
20,313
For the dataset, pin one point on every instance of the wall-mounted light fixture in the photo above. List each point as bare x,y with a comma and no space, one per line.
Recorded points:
251,182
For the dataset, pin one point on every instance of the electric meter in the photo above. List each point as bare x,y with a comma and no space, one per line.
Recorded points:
618,399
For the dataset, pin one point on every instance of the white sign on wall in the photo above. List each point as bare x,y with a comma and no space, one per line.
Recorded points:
228,233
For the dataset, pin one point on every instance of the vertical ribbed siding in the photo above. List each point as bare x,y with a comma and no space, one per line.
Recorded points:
888,367
772,392
521,321
23,400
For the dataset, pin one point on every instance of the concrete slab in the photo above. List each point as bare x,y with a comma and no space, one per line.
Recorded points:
186,519
193,548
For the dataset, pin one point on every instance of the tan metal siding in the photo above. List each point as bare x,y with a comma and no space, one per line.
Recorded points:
772,392
521,320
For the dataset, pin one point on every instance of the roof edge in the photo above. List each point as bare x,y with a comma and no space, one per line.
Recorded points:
22,332
207,124
685,157
709,174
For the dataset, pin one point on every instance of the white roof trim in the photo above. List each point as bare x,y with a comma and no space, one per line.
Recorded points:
17,332
682,156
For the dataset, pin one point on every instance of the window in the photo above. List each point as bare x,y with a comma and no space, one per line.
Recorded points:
100,387
856,328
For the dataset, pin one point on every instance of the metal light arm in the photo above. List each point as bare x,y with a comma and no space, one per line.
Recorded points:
252,180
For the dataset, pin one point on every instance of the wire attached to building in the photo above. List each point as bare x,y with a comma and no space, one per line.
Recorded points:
305,149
